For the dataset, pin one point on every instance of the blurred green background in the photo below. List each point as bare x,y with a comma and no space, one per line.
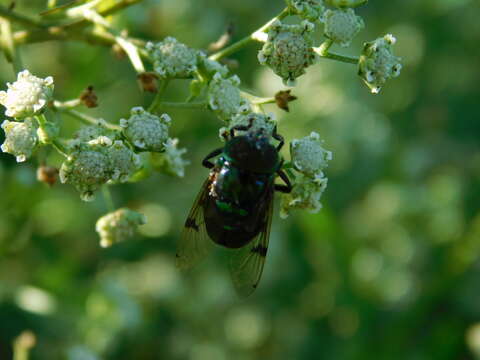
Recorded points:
387,270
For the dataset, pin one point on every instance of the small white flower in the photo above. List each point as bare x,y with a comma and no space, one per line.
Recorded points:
377,62
146,131
288,50
341,26
26,96
118,226
172,58
20,138
311,10
305,195
171,161
224,97
308,155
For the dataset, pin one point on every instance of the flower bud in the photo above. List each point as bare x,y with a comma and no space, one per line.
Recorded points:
118,226
341,26
146,131
259,122
311,10
308,155
123,162
87,168
26,96
288,50
377,62
224,97
47,174
172,58
20,138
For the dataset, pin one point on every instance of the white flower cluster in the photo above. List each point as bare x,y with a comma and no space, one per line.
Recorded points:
342,25
20,138
311,10
309,159
171,58
118,226
146,131
288,50
377,63
26,96
224,97
94,161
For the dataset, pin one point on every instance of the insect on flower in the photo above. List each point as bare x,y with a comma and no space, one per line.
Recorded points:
234,206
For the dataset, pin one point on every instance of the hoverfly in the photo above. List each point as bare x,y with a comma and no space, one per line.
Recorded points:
234,206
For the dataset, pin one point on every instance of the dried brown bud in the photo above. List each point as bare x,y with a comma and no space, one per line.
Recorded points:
282,98
148,81
47,174
89,98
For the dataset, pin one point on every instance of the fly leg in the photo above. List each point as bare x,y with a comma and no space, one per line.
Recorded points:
284,188
241,127
278,137
209,164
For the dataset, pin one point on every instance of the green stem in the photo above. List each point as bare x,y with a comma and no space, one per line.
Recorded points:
89,120
325,54
255,36
59,147
69,104
156,103
107,196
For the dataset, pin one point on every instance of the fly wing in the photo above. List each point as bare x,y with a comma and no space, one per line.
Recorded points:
194,242
246,264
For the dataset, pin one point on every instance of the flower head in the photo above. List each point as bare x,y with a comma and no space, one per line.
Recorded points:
20,138
342,25
288,50
308,155
118,226
377,62
87,168
26,96
305,195
311,10
224,97
146,131
172,58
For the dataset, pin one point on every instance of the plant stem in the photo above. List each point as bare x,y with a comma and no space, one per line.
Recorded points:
59,147
69,104
158,96
107,196
258,35
89,120
324,53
